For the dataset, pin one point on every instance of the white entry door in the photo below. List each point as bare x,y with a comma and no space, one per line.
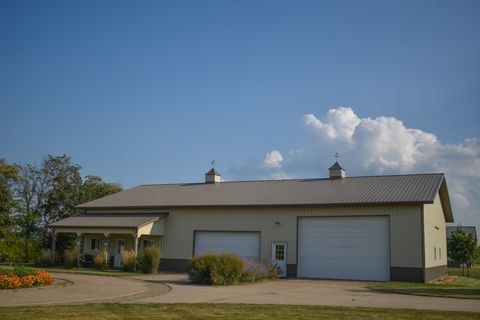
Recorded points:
353,248
243,244
279,256
117,261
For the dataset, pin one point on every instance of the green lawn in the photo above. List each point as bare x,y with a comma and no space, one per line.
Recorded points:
462,287
474,272
219,311
91,271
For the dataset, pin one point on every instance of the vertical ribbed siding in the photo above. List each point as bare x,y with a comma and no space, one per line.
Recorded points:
435,238
405,228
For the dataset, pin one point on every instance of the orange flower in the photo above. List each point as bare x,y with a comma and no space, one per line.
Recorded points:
12,281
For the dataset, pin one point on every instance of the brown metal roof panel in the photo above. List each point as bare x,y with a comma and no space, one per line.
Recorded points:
375,189
107,220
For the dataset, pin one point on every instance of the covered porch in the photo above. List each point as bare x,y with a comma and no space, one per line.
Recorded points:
111,234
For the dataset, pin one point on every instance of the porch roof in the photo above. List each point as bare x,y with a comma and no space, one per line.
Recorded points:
111,220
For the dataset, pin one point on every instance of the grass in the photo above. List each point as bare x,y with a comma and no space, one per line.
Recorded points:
91,271
219,311
473,272
461,287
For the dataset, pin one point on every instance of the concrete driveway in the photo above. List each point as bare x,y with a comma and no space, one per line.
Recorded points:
303,292
175,288
75,288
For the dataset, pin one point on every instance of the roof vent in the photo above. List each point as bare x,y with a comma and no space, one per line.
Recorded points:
336,171
213,176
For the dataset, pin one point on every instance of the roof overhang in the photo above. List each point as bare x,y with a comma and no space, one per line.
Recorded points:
445,201
111,221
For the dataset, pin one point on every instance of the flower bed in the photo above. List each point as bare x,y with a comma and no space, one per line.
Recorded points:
23,278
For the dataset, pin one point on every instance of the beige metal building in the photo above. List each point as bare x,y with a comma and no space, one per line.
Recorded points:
378,228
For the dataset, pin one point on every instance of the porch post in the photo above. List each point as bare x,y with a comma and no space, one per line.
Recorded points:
135,246
105,246
79,242
54,240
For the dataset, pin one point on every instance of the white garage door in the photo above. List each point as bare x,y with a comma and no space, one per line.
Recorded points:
244,244
355,248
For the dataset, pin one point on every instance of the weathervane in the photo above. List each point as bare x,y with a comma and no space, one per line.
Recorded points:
336,156
213,163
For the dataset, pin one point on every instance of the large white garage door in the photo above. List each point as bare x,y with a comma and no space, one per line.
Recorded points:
244,244
355,248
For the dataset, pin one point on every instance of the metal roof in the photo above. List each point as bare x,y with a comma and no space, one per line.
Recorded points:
108,220
213,172
336,165
369,190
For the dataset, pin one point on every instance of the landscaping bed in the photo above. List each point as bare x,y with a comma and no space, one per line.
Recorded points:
22,277
229,269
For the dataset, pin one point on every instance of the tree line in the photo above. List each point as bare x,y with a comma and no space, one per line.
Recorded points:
33,196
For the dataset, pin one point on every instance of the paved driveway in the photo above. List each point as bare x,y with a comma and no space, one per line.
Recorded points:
74,288
306,292
175,288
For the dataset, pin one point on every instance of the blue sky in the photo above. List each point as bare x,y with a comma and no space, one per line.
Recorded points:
152,91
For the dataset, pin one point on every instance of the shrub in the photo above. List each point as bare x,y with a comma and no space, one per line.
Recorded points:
70,258
19,249
216,269
100,260
129,260
258,270
150,260
45,258
21,271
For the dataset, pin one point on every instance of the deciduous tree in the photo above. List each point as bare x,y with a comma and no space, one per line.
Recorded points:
462,247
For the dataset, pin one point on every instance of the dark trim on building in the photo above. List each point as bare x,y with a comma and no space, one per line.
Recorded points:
422,217
174,265
243,206
435,273
291,270
406,274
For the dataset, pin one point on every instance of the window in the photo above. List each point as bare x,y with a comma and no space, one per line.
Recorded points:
148,243
439,253
95,244
279,252
434,253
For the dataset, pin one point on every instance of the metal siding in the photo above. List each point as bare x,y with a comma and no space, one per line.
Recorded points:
434,217
244,244
405,228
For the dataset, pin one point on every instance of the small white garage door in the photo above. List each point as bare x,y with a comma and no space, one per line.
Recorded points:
244,244
355,248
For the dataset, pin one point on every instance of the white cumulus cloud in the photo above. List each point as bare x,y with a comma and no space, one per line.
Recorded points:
273,159
379,145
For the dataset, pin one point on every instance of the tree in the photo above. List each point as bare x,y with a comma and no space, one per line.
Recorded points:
462,247
8,175
63,192
93,188
32,197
